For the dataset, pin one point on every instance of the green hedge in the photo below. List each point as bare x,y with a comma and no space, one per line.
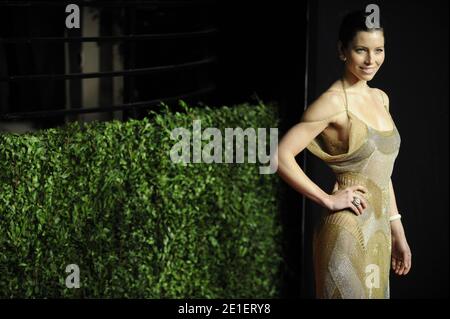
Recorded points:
107,197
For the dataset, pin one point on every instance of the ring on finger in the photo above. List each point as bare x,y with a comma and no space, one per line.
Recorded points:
356,201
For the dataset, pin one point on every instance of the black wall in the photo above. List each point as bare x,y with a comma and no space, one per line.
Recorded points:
260,49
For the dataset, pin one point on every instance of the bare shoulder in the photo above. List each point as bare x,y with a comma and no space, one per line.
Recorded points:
328,105
384,95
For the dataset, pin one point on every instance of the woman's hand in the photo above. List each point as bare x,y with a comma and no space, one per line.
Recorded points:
401,255
343,198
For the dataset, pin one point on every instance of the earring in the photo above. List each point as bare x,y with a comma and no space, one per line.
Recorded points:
343,58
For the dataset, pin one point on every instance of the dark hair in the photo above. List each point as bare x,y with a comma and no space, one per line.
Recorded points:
352,23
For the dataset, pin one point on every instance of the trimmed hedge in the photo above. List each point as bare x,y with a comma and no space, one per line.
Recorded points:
106,197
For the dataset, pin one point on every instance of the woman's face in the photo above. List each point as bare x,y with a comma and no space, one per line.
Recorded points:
365,54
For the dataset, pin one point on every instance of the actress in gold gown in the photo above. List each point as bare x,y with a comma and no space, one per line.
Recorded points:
349,127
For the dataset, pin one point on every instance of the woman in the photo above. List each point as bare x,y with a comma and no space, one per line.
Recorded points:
349,127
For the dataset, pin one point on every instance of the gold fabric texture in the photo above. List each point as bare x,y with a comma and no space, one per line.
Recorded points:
352,253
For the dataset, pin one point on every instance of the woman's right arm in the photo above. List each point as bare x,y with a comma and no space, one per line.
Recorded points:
315,119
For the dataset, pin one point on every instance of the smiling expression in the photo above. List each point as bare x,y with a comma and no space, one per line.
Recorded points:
364,55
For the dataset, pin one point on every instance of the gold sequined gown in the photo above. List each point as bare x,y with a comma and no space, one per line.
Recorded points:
352,253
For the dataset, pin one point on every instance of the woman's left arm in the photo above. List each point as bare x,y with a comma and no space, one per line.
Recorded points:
401,253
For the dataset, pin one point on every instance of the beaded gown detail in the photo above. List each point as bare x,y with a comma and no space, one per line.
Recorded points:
352,253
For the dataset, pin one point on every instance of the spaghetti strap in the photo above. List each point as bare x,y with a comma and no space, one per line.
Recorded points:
345,94
346,99
382,99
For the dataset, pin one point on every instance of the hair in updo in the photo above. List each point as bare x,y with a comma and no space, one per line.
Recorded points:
352,23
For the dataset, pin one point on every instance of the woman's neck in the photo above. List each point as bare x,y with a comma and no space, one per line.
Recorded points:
352,82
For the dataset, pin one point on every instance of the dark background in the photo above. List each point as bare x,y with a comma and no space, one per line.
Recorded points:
277,51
